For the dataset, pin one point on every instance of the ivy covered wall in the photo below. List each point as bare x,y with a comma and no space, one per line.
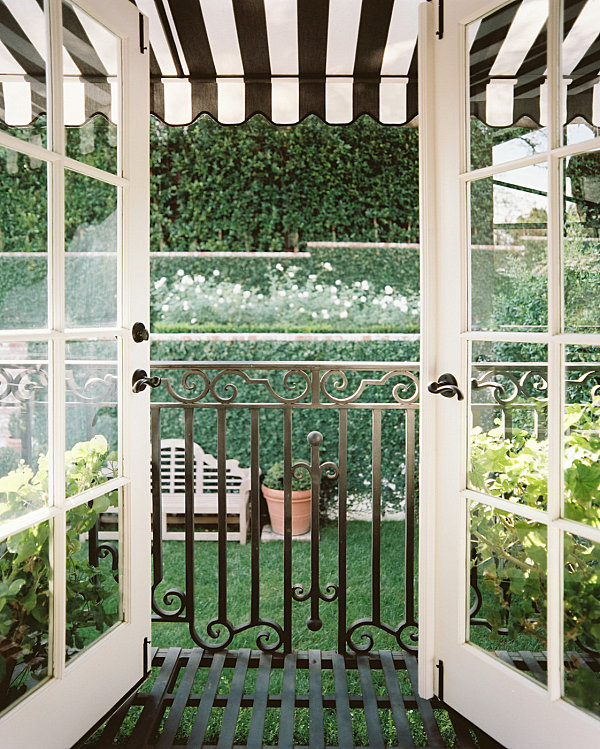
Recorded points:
266,187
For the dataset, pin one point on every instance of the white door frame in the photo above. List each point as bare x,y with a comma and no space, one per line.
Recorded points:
78,694
514,709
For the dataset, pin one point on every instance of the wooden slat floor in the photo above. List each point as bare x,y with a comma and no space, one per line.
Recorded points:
303,699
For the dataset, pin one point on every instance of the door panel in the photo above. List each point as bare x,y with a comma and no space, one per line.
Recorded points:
511,239
74,601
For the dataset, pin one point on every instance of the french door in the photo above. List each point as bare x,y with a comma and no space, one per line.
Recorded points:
511,510
74,441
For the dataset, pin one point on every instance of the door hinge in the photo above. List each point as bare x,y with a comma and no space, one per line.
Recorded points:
440,32
440,668
146,656
143,45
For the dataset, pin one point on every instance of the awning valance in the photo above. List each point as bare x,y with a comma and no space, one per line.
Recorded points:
287,59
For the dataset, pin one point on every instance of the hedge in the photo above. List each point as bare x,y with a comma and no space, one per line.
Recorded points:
267,187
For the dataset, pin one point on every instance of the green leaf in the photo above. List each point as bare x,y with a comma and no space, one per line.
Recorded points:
15,586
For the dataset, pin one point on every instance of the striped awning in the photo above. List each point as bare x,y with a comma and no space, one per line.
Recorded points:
286,59
231,59
508,66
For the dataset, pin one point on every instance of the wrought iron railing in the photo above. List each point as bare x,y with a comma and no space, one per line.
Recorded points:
299,394
291,389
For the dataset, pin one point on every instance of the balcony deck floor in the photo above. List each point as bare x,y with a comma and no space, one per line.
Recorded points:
372,697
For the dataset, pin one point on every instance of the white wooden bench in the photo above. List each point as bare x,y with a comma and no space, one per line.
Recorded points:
206,501
172,481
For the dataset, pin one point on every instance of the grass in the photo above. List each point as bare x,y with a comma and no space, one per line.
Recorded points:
271,584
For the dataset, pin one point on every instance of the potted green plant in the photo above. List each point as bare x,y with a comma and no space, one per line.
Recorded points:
272,489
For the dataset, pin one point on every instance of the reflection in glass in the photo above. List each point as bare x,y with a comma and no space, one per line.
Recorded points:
509,251
507,65
579,59
93,600
91,103
508,575
91,244
23,428
508,444
23,70
581,622
91,414
23,241
581,243
581,445
24,612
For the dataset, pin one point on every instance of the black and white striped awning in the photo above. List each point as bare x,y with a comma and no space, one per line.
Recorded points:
287,59
508,65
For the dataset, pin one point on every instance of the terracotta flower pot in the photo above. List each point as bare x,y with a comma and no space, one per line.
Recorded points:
300,510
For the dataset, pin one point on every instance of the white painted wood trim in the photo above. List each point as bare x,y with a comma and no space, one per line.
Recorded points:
427,514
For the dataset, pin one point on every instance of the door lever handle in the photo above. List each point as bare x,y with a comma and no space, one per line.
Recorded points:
447,386
140,381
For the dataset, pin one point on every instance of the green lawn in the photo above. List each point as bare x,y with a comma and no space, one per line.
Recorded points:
271,585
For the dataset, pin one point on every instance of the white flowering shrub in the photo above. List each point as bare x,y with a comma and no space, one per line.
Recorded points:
290,301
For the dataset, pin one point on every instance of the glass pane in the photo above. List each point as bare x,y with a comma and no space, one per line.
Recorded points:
23,428
23,241
581,617
93,592
91,63
508,251
507,64
509,585
581,462
581,243
580,49
509,413
23,70
91,244
24,612
91,414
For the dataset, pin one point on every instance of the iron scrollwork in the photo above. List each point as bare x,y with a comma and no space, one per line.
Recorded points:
215,628
531,384
21,383
406,391
316,470
292,380
198,382
305,385
400,633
